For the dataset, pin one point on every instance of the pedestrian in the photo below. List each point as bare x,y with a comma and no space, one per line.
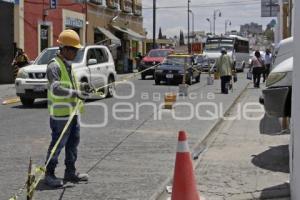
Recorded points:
20,60
268,62
63,94
224,68
257,67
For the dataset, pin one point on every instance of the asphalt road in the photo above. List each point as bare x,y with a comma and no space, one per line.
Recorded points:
127,158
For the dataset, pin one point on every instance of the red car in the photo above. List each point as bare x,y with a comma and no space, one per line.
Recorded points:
154,57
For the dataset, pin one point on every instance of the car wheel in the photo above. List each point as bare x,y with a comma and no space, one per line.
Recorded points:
110,88
143,77
27,102
157,82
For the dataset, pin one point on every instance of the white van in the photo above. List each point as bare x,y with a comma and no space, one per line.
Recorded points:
277,96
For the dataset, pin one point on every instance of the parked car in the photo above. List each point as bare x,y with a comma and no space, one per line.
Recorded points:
277,96
93,64
175,67
154,57
203,62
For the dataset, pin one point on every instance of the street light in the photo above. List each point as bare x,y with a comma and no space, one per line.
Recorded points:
188,35
227,22
193,25
217,11
207,19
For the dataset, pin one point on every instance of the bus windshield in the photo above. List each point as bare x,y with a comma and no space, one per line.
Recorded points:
216,44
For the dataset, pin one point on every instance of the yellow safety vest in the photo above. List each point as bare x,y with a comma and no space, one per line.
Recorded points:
60,106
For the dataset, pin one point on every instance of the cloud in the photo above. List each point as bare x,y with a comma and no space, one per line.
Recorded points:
172,20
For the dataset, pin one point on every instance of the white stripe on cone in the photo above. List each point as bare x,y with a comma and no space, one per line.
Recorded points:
183,147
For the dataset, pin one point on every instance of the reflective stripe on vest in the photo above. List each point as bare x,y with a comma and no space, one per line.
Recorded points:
62,105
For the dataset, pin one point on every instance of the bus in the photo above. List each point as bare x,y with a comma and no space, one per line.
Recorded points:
237,47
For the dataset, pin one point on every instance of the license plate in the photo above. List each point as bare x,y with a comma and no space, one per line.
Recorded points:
39,88
169,75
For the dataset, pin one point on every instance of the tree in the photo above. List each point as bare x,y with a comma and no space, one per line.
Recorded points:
181,38
160,34
269,34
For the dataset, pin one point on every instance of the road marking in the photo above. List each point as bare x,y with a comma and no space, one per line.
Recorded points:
11,100
150,131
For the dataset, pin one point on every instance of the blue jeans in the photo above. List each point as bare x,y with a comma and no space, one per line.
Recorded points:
70,141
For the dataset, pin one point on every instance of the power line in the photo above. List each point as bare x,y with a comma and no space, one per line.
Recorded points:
235,3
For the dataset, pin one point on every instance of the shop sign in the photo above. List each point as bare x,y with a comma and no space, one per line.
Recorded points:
73,22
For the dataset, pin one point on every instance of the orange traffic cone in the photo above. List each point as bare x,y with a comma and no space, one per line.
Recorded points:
184,184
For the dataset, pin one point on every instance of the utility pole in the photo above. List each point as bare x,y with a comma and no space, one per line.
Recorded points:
154,24
188,35
86,21
285,9
290,16
215,17
193,25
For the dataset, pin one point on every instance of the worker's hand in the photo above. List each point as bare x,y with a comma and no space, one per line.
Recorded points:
85,87
82,95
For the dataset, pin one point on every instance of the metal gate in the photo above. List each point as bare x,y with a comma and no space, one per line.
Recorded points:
7,47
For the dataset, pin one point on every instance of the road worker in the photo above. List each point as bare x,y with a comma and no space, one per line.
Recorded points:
64,92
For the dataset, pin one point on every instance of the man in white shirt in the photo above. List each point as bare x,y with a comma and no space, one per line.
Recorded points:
268,62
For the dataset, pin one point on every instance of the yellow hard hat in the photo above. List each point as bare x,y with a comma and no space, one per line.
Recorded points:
69,38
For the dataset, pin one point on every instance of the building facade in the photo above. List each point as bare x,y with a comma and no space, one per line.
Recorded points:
252,28
117,23
39,25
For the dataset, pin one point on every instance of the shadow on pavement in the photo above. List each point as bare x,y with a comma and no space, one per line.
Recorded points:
270,125
278,191
275,159
37,105
43,187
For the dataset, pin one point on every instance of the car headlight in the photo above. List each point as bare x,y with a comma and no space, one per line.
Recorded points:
274,78
22,74
158,70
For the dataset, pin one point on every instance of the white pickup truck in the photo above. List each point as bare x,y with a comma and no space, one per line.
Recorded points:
93,64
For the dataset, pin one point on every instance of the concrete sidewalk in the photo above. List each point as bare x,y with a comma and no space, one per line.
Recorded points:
244,160
7,91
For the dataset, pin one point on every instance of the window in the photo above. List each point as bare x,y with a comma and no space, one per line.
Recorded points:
102,56
90,55
44,37
242,46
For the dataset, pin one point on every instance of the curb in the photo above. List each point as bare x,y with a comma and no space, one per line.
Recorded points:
201,144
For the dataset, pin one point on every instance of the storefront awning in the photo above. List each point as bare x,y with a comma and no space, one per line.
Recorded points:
131,34
109,35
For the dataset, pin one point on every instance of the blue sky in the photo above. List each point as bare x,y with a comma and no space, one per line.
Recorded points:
172,20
